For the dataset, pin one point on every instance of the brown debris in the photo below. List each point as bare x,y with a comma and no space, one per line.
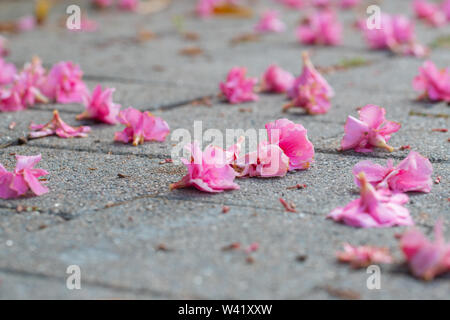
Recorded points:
191,36
245,37
346,294
439,130
297,186
225,209
289,207
233,246
191,51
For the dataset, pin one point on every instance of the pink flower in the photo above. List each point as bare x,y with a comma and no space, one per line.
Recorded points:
446,8
310,90
277,80
140,127
321,28
374,208
26,23
295,4
268,161
65,83
102,3
128,5
434,83
321,3
292,138
100,106
348,4
364,256
412,174
58,127
426,259
23,178
270,22
208,171
371,130
10,100
429,12
7,72
237,88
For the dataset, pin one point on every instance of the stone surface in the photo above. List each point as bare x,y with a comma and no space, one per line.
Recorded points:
134,238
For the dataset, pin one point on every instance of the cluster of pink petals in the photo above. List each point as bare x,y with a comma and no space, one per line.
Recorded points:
58,127
65,83
426,259
26,23
396,33
321,28
277,80
270,22
412,174
446,9
292,138
429,12
207,171
100,106
23,178
237,88
434,83
371,130
7,72
268,161
374,208
140,127
364,256
310,90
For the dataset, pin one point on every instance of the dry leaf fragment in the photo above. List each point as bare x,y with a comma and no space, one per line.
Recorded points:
191,51
290,207
245,37
229,9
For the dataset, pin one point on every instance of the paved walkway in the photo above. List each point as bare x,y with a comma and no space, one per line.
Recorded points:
133,238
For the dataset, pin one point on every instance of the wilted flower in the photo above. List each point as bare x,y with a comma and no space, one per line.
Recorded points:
100,106
270,22
348,4
321,28
371,130
429,12
292,138
374,208
128,5
7,72
208,171
364,256
237,88
23,178
412,174
310,90
140,127
426,259
434,83
276,80
58,127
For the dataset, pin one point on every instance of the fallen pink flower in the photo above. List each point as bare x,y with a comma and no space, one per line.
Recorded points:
276,80
7,72
268,161
23,178
26,23
371,130
10,100
140,127
292,138
412,174
320,28
205,8
128,5
310,90
100,106
252,248
374,208
429,12
65,83
426,259
207,171
270,22
434,83
58,127
364,256
348,4
446,8
30,81
237,88
295,4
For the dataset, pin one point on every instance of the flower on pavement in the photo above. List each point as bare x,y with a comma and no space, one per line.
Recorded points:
429,12
412,174
65,83
432,82
276,80
140,127
371,130
268,161
58,127
426,259
237,88
100,106
292,138
208,171
374,208
321,27
270,22
7,72
128,5
364,256
23,178
310,90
